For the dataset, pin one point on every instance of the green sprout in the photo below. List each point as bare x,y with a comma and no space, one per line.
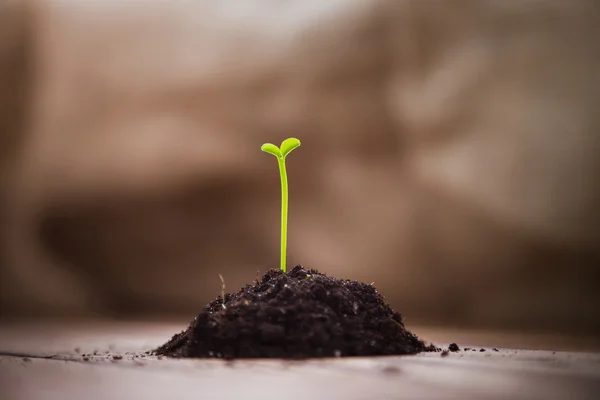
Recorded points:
281,153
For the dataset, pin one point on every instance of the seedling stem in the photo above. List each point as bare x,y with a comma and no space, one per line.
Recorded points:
284,211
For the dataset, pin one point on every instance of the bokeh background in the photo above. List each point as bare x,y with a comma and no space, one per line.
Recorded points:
451,154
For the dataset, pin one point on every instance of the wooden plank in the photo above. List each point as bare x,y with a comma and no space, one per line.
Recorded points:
464,375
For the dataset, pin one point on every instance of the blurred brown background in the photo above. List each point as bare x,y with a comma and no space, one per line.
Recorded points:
451,152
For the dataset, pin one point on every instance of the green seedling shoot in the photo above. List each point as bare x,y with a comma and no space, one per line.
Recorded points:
281,153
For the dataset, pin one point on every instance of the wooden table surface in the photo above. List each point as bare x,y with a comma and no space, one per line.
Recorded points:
57,361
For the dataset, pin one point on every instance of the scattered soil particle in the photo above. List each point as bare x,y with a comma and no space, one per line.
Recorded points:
117,357
467,348
495,349
86,359
453,347
300,314
445,353
482,350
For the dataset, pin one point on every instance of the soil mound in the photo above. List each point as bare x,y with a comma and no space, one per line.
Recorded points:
301,314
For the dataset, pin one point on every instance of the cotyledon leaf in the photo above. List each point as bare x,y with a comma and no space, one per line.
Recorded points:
271,149
288,145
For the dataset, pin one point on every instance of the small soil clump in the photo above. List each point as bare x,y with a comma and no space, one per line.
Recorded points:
301,314
453,347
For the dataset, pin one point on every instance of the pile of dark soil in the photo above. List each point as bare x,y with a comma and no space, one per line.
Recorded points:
300,314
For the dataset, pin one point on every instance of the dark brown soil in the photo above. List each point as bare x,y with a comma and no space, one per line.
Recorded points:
300,314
